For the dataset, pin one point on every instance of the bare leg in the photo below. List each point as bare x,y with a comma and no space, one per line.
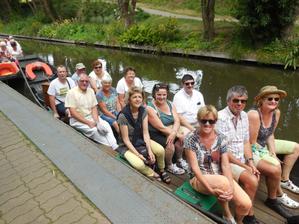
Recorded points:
169,151
272,174
250,184
178,150
288,163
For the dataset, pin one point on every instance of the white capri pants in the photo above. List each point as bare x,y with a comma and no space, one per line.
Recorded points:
93,133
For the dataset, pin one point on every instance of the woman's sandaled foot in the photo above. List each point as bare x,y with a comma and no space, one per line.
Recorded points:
156,177
165,178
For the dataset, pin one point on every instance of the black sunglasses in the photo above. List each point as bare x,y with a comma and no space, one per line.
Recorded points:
161,86
275,98
189,83
239,101
205,121
98,67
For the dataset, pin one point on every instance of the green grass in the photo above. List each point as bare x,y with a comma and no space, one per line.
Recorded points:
174,34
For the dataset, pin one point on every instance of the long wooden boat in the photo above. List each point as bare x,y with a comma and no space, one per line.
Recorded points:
178,184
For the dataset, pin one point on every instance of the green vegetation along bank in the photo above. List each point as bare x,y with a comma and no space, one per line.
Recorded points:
161,32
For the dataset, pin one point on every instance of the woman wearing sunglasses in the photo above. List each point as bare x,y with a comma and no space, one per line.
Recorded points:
206,152
97,75
165,128
263,121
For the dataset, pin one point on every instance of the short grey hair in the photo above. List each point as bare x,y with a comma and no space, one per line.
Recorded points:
106,78
237,90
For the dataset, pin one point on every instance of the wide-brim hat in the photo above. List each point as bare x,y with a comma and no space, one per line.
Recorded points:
267,90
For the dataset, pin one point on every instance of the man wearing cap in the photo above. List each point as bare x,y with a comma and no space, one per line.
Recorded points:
263,120
82,104
80,68
188,100
233,123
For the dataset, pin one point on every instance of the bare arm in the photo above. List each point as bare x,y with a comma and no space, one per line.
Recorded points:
75,114
93,84
53,105
185,123
192,160
121,99
254,126
271,138
94,113
177,121
226,169
105,111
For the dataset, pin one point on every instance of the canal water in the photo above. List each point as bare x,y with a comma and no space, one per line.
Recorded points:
213,82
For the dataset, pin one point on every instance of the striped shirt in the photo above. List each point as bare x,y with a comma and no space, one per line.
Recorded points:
236,135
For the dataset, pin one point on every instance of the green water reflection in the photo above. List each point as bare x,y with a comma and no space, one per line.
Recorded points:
217,77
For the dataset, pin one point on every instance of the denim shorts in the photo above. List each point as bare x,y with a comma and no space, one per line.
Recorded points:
110,120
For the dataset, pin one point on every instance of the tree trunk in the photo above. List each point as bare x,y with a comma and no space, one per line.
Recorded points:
208,15
7,6
48,10
288,30
127,11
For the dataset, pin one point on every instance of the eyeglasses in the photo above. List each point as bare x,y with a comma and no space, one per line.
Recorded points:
205,121
86,81
189,83
97,67
273,98
239,101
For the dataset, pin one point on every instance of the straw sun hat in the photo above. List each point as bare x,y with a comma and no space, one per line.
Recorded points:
267,90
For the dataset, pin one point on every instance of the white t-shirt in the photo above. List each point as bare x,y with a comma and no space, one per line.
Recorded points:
187,105
122,86
59,90
98,81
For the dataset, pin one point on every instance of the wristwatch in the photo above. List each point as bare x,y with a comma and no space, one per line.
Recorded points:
248,159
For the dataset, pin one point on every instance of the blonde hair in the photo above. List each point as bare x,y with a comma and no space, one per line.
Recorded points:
205,110
132,91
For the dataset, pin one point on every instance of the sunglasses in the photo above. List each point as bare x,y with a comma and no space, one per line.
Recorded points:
97,67
239,101
273,98
161,86
189,83
205,121
84,81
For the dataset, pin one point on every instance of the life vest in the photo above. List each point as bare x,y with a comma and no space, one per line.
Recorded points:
8,68
30,68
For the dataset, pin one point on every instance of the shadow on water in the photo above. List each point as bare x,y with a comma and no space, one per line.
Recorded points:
216,79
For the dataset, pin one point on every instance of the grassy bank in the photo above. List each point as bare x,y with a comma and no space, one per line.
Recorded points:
161,32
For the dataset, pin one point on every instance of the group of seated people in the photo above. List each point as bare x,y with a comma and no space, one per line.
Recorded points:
10,49
226,151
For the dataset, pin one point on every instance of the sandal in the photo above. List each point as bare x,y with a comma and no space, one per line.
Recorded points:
165,178
155,177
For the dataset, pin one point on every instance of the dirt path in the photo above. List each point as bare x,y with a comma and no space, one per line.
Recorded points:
181,16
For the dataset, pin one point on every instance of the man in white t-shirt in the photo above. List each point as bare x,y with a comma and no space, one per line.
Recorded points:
125,83
57,91
82,104
188,100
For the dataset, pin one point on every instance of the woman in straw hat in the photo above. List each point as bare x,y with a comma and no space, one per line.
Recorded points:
263,121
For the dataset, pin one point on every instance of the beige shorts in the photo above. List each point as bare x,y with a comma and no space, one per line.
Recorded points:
236,171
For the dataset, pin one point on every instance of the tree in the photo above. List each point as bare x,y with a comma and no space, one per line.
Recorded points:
127,11
208,15
265,20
